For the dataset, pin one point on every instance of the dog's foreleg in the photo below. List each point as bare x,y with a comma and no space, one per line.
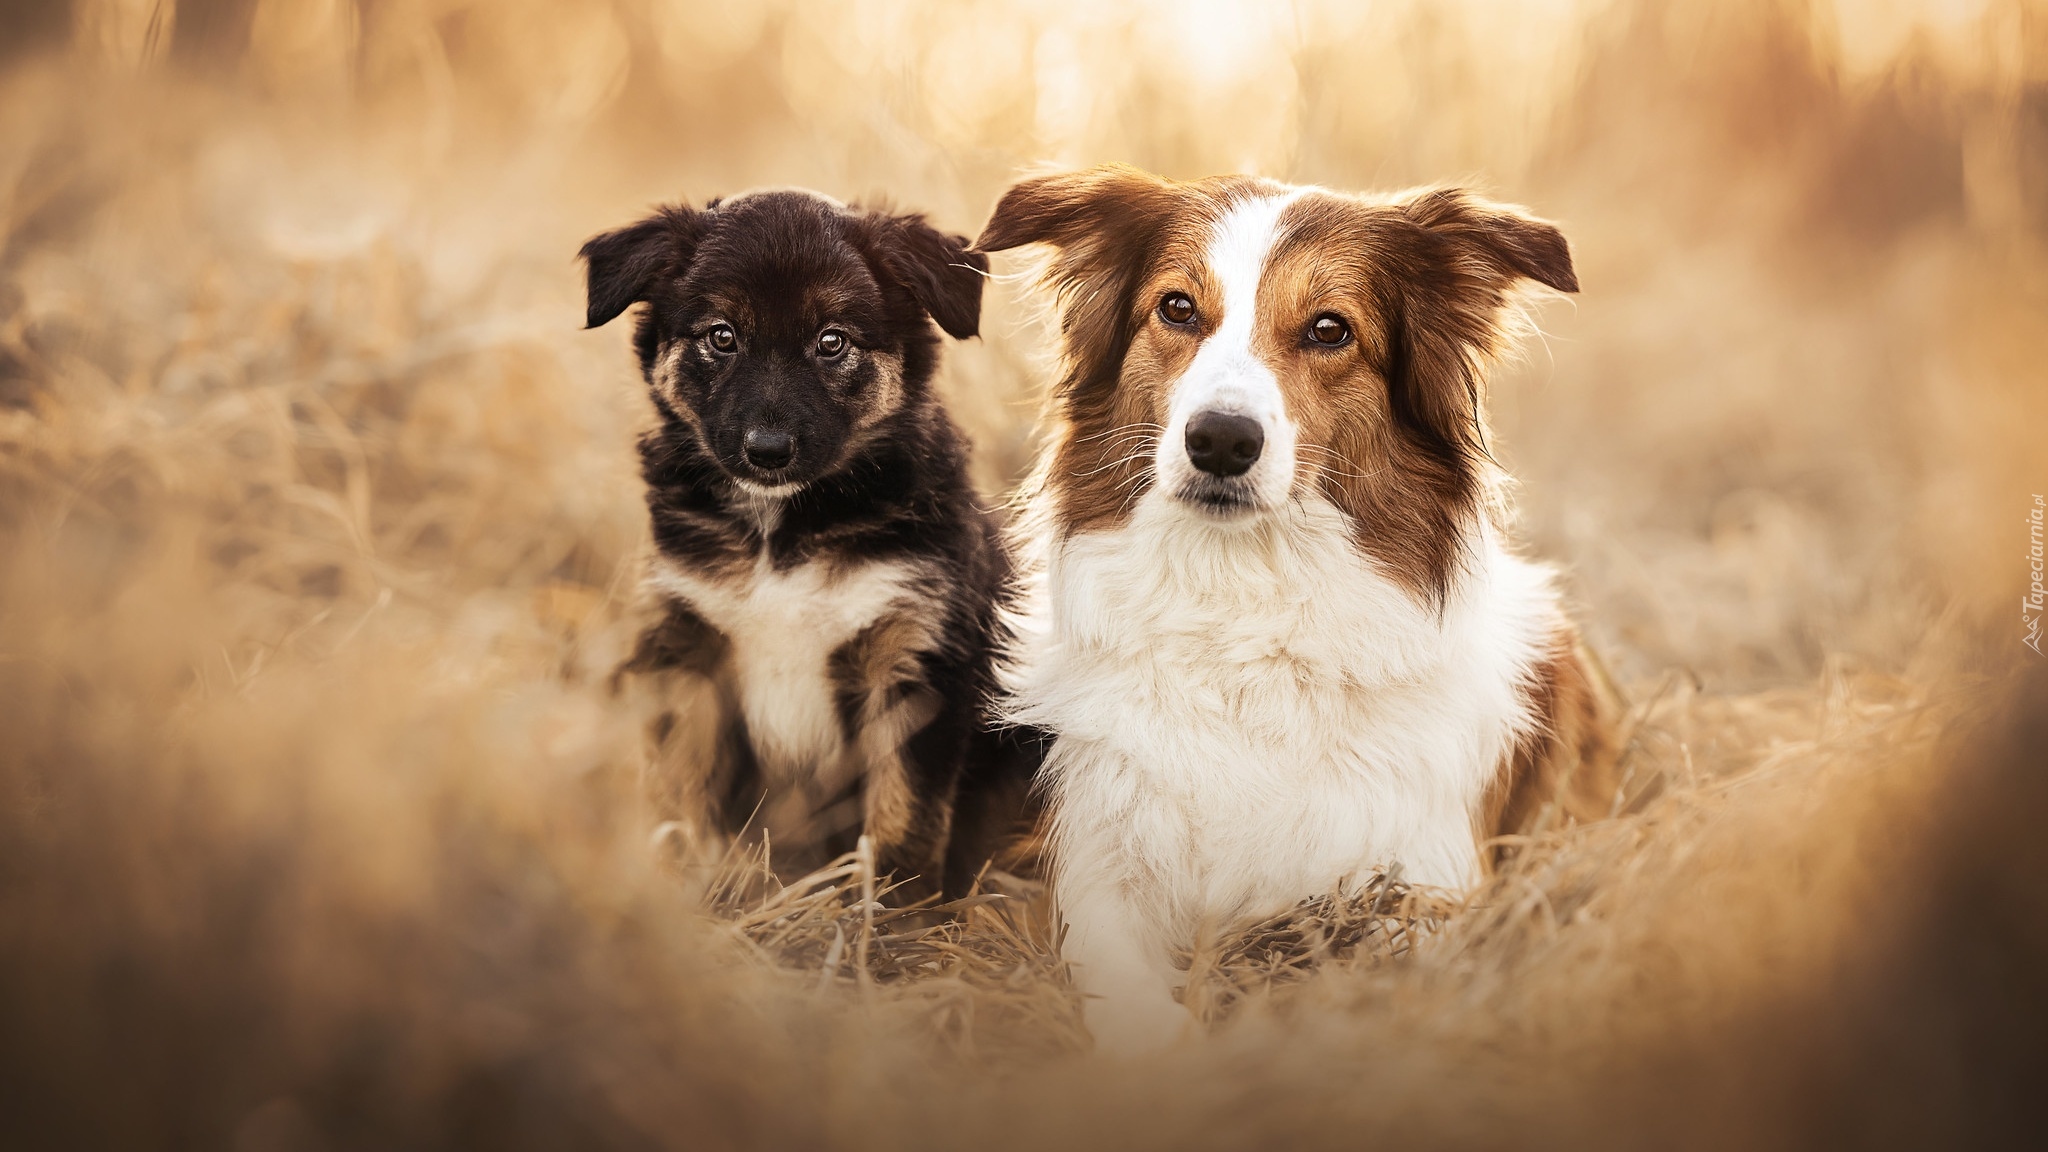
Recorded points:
1123,970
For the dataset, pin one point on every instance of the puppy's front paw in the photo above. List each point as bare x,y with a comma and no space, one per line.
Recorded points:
692,853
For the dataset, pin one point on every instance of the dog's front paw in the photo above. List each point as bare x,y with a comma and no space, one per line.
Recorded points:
1136,1022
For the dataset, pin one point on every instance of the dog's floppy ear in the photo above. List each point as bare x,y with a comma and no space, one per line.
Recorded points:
1069,209
941,273
1517,244
1456,260
1100,223
624,265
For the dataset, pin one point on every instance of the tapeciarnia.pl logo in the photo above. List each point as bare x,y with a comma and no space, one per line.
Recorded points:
2037,597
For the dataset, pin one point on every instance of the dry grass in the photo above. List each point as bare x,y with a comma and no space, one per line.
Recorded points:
319,527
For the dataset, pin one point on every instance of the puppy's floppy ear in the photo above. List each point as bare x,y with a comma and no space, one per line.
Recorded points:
941,274
624,265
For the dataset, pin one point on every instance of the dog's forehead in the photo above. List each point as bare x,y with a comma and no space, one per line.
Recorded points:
1335,226
1293,243
1187,237
1328,247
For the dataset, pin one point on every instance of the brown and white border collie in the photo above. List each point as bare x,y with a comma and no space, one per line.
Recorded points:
1280,634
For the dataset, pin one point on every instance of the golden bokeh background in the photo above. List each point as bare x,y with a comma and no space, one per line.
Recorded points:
319,522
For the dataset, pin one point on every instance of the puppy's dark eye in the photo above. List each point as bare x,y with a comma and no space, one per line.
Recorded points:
1328,331
1177,308
831,344
723,338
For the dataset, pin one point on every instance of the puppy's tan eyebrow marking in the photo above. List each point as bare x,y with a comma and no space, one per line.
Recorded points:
732,310
831,299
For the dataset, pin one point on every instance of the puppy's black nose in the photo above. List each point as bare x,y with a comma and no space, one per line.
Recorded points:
1224,445
769,448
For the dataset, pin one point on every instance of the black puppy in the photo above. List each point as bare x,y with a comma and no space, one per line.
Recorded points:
830,586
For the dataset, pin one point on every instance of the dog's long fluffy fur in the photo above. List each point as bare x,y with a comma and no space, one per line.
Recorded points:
1266,685
827,623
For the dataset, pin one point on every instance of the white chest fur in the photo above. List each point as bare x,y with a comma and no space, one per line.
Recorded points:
783,627
1250,714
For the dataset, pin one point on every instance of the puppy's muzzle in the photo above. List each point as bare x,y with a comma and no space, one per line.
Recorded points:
769,449
1223,444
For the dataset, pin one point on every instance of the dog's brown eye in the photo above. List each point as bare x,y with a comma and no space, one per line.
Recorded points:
1177,308
1328,330
723,338
831,343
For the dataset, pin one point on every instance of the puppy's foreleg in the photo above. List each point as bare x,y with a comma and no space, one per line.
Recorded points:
694,770
697,772
912,752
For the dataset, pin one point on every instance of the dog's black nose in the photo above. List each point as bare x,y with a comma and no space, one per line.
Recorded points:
1224,445
769,448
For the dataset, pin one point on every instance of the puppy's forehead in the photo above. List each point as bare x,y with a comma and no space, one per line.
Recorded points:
779,251
787,219
795,198
768,232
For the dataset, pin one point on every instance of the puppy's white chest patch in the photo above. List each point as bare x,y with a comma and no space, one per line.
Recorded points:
783,627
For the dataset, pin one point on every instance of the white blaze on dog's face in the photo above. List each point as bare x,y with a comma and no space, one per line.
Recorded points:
1238,344
1228,443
